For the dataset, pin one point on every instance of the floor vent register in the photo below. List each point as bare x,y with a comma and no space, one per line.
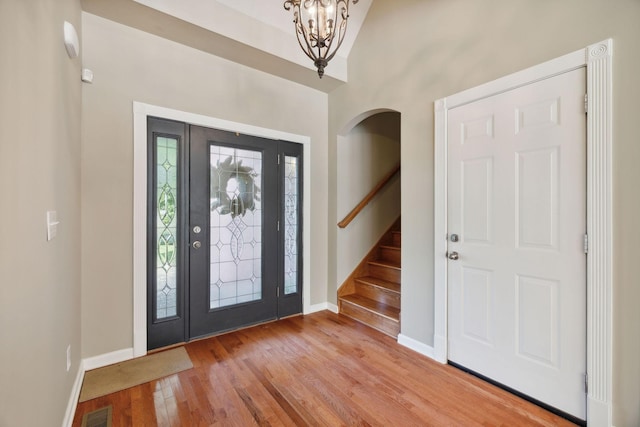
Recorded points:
98,418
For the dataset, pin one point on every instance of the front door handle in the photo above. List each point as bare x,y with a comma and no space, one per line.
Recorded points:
453,256
197,244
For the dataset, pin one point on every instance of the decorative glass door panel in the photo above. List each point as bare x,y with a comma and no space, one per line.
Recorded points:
235,226
291,232
166,241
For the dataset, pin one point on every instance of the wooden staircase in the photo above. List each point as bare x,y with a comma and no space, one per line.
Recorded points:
371,295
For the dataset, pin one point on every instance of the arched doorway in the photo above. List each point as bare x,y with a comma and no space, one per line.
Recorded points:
369,195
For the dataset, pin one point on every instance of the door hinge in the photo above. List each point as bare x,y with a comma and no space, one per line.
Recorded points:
278,158
586,103
278,225
586,383
278,291
586,243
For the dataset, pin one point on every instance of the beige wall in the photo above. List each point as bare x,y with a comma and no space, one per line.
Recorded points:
40,95
365,155
131,65
437,48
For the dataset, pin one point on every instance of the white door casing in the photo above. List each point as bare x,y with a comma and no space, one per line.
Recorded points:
598,60
517,206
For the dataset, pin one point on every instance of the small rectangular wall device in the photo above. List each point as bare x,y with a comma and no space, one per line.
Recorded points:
87,75
71,40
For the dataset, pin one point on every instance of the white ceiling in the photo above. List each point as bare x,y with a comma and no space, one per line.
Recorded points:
261,24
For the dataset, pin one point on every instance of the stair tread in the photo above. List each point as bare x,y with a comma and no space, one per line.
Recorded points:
395,248
385,263
386,284
375,306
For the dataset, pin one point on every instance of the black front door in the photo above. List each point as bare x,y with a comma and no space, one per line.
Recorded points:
237,236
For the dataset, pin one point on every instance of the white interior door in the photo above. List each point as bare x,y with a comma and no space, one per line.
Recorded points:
517,205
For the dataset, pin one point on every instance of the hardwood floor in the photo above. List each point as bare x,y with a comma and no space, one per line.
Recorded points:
318,370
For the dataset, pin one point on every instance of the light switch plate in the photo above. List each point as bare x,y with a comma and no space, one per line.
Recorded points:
52,224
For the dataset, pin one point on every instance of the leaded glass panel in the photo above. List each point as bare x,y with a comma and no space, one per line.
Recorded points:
166,226
291,225
236,226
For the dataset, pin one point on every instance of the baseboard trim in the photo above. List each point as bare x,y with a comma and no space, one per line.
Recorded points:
332,307
321,307
73,397
417,346
108,359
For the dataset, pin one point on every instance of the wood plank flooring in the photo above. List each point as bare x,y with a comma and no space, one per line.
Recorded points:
321,369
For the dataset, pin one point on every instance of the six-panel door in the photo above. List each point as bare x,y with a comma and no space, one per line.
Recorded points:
517,201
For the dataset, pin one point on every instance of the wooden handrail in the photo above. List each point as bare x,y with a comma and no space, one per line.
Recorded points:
365,201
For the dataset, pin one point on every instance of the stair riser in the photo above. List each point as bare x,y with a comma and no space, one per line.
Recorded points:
373,320
397,239
386,273
378,294
390,254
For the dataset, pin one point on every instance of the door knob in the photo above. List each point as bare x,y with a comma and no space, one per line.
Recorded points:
197,244
453,256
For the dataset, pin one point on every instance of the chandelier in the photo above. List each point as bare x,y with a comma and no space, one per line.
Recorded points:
320,27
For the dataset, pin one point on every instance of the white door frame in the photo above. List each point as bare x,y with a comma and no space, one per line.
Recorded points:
597,59
140,113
